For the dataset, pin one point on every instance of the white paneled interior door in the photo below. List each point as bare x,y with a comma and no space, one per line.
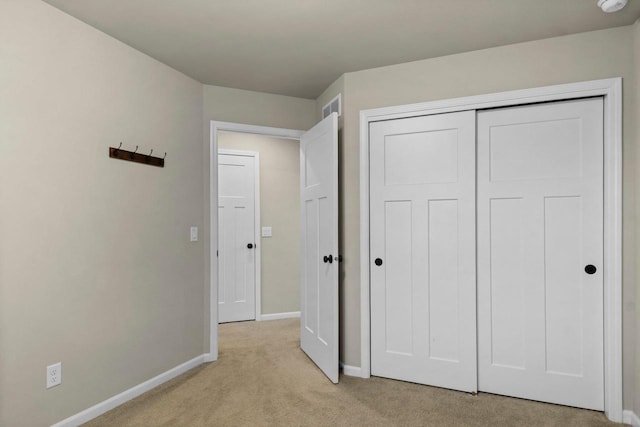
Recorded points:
319,225
540,252
236,238
423,242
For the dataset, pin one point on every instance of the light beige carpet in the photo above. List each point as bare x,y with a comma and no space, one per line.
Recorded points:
263,378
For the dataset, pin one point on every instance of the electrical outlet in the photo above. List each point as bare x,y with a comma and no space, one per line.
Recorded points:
54,375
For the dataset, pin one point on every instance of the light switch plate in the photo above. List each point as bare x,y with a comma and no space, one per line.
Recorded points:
194,234
266,232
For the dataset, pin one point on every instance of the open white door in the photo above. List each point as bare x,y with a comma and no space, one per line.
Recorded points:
319,226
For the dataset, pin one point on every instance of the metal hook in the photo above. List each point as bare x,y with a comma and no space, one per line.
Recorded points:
117,150
134,152
150,153
165,155
148,156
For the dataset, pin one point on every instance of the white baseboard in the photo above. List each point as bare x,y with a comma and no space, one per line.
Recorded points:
629,417
117,400
276,316
351,371
208,357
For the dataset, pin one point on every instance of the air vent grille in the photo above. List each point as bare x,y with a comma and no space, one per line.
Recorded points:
334,106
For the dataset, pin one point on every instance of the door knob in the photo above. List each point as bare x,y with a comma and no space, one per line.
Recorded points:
590,269
328,259
378,262
250,246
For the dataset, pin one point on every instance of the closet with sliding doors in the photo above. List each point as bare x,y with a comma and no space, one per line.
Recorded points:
486,245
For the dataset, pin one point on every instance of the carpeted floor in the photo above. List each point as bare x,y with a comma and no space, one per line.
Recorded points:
263,378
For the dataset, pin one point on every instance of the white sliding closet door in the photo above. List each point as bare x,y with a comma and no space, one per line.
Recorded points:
423,300
540,252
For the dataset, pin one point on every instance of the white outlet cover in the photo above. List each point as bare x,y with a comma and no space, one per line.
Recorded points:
194,234
54,375
267,232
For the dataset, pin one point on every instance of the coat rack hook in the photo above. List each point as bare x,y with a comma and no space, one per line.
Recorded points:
135,156
165,155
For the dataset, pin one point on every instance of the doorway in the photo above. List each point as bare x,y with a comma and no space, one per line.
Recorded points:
229,130
259,227
317,248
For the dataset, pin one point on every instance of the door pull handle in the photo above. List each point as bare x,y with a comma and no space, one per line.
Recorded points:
328,259
590,269
250,246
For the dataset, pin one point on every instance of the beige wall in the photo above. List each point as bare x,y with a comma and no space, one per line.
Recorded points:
257,108
574,58
96,267
279,209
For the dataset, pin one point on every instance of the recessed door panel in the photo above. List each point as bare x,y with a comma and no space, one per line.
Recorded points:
328,287
562,285
557,140
443,281
421,158
399,293
311,279
507,283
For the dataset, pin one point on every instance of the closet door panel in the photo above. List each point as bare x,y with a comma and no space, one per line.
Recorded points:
423,318
540,224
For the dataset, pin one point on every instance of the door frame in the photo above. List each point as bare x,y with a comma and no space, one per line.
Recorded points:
256,223
215,127
611,91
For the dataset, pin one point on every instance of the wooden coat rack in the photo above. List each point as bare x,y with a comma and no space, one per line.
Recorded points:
134,156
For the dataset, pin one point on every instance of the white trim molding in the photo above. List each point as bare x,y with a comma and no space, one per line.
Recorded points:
127,395
351,371
611,91
629,417
215,127
278,316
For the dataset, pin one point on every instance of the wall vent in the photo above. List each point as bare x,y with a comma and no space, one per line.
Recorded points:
334,106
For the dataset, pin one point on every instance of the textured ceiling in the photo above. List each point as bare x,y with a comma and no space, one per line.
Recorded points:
298,47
